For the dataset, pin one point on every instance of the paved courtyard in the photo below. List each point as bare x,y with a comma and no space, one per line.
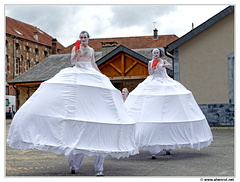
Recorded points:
217,160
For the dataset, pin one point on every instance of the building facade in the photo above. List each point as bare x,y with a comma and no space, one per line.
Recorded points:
25,47
204,63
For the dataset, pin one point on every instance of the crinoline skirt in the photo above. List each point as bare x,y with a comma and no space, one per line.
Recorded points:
76,111
167,116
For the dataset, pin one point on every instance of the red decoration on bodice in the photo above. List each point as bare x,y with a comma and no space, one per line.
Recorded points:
155,62
77,45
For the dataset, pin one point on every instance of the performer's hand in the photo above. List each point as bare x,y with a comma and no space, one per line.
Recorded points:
77,45
78,51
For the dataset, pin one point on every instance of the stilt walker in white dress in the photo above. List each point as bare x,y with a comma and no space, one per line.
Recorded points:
166,113
77,112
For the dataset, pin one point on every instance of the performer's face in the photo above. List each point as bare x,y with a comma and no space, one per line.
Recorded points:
156,54
84,39
124,92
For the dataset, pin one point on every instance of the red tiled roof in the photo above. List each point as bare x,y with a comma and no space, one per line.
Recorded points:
138,42
26,31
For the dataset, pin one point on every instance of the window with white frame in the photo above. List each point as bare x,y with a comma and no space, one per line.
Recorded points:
7,65
17,66
27,65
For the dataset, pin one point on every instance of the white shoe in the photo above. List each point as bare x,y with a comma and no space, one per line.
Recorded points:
100,174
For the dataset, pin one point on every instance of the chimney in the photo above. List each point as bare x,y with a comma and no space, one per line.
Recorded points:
35,36
54,46
108,47
155,34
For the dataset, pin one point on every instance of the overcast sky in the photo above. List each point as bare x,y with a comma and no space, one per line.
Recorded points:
65,22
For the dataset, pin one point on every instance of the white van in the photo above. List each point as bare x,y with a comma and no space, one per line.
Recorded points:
10,106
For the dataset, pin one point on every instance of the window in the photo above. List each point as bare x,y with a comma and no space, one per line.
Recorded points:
7,102
17,32
27,52
45,53
7,45
7,65
36,51
27,65
40,31
7,91
27,49
16,66
17,46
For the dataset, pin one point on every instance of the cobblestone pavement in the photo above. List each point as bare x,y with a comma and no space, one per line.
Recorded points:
215,160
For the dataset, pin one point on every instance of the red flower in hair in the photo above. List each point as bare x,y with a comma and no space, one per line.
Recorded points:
155,62
77,45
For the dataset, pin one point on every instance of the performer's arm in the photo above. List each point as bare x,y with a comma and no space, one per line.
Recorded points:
167,64
150,69
93,61
74,56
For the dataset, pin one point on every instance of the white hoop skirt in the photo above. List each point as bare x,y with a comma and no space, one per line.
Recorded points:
76,111
167,116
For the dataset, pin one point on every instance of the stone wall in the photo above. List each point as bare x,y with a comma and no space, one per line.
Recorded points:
218,114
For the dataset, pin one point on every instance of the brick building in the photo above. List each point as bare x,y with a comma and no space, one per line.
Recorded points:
25,46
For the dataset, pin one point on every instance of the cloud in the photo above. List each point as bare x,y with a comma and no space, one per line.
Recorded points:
46,17
59,21
65,22
140,15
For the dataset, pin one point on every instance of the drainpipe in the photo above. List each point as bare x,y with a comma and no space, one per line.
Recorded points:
14,40
170,56
166,53
17,96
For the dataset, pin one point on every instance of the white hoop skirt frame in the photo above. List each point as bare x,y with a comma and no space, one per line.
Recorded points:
76,111
167,116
